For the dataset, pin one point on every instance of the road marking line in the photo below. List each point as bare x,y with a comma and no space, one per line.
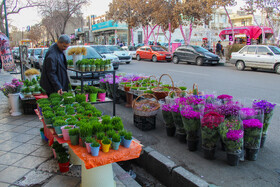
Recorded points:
190,73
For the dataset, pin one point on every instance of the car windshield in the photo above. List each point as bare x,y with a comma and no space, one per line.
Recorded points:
91,54
37,51
275,50
200,49
132,48
102,49
157,49
115,48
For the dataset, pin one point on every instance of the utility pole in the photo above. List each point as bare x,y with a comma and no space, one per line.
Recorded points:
6,20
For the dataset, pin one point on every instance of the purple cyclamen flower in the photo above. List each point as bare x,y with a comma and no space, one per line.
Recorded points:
166,107
175,108
235,134
266,106
252,123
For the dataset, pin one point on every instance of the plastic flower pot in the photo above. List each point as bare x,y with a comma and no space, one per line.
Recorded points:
86,97
126,143
88,147
58,131
209,153
115,145
65,133
170,131
64,167
46,139
122,138
94,150
74,139
106,147
42,135
92,97
101,96
192,145
251,154
233,159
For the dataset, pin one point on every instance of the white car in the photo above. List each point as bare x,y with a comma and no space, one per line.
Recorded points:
131,50
107,54
257,56
121,53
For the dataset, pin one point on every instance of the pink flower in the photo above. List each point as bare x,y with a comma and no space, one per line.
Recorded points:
252,123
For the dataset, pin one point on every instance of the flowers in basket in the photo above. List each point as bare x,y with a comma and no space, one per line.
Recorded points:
209,129
252,133
267,108
11,88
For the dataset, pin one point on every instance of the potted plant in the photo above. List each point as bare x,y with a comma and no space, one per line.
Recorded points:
48,115
180,131
168,119
116,140
85,131
92,65
106,144
110,133
267,108
97,64
65,131
57,126
63,161
89,140
81,98
88,65
210,133
127,139
94,148
101,94
102,65
99,137
117,123
191,121
27,92
122,134
83,65
74,136
70,63
93,93
42,133
36,90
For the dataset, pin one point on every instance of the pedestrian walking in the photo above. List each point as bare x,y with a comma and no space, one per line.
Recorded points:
54,77
219,49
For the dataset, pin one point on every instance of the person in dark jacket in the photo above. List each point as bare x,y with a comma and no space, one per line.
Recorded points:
54,77
219,49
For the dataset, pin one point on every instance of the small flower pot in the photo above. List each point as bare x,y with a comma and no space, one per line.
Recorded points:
86,97
74,139
122,138
58,131
65,133
192,144
170,131
64,167
92,97
115,145
106,147
209,153
42,135
233,159
126,143
251,154
88,147
102,96
94,150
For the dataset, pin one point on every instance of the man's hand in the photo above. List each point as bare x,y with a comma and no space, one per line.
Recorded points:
60,91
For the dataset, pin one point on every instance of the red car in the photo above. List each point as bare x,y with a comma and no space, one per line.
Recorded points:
154,53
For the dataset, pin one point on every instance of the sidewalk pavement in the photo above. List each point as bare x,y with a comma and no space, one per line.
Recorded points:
27,160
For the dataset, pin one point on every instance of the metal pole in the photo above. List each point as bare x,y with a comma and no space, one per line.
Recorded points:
6,19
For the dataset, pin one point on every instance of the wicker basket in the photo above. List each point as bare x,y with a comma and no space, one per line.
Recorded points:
152,76
145,107
195,87
162,94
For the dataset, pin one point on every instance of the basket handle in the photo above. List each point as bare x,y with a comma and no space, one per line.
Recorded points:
195,86
153,77
144,94
168,76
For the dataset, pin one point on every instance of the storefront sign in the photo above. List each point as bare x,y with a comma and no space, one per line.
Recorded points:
107,24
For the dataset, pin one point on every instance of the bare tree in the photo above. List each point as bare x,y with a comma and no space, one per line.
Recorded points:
14,7
35,33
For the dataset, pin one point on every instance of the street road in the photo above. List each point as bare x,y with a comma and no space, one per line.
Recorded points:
242,85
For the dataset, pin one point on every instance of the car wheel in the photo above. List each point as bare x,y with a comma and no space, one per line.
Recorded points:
127,62
138,57
154,58
199,61
240,65
175,60
188,62
277,69
254,69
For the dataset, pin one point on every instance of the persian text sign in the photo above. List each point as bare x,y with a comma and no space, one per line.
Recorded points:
5,52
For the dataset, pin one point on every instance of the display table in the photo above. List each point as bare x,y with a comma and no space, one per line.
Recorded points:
95,171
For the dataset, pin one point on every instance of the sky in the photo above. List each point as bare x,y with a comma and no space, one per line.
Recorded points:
30,16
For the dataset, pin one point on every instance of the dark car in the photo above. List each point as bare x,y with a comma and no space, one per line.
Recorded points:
194,54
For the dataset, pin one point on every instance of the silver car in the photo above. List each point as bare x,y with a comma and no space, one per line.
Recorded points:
257,57
120,53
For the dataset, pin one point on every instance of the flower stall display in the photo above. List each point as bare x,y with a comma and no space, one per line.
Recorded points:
252,137
168,119
267,108
11,90
191,121
225,98
180,131
210,132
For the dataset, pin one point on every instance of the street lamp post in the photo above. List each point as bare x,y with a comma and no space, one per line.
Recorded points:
6,19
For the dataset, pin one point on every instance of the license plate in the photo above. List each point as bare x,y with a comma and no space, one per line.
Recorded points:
214,62
168,57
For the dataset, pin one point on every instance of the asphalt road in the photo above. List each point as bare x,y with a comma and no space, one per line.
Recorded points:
244,86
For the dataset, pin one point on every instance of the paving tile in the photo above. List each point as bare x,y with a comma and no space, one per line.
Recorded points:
12,174
8,135
28,118
63,181
2,153
34,178
20,129
50,166
37,124
34,131
10,158
23,138
9,145
7,127
7,120
43,152
37,140
4,184
16,122
2,167
25,149
30,162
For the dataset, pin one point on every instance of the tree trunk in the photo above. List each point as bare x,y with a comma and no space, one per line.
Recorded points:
190,34
2,27
272,27
157,34
144,33
132,37
232,30
128,35
183,34
169,29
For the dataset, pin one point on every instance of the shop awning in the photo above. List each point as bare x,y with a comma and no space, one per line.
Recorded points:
252,31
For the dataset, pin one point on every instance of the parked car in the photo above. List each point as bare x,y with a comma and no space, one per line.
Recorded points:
15,52
29,51
41,57
91,54
120,53
257,56
34,57
131,50
107,54
154,53
194,54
